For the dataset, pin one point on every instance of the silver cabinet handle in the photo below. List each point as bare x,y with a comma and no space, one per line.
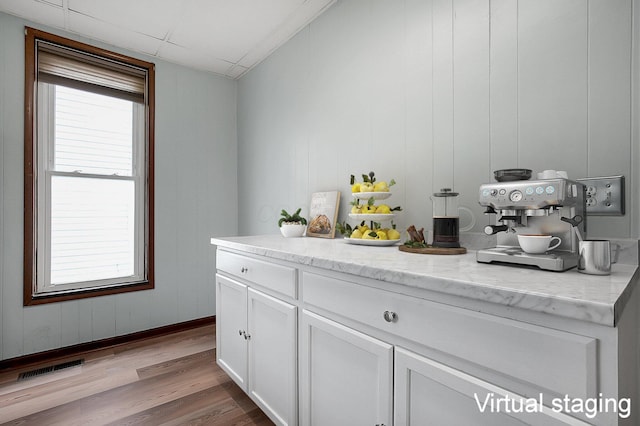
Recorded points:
390,316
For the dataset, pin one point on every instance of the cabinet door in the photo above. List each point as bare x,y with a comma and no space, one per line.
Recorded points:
272,357
430,393
345,375
231,324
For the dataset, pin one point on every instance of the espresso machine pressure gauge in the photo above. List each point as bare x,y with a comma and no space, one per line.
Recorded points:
515,196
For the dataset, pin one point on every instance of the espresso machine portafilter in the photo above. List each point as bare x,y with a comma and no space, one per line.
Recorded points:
538,207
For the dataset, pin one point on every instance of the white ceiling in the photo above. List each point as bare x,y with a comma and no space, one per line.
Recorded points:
227,37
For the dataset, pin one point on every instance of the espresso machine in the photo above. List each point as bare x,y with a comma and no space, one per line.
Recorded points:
534,207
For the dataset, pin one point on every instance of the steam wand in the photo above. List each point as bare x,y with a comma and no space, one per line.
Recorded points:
574,222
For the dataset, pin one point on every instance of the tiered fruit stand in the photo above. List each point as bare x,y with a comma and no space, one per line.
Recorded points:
371,217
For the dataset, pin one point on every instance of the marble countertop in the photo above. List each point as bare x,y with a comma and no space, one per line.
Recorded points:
597,299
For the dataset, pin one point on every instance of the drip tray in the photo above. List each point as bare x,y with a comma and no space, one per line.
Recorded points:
557,260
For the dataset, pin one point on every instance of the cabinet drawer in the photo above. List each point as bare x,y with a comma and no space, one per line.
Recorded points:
430,393
554,360
278,278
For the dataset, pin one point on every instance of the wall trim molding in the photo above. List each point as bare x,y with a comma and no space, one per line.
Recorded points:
74,350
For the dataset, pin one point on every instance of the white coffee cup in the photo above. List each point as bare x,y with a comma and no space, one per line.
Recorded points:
536,244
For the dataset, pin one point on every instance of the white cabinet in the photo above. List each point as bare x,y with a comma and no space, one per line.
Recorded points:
256,346
231,324
272,356
377,353
430,393
345,375
493,359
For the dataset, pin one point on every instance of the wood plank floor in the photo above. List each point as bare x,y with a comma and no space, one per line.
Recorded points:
168,380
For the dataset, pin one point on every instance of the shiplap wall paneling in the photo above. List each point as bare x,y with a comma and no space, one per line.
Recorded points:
84,322
2,155
268,146
190,189
41,334
609,102
103,317
471,94
290,130
293,116
417,152
503,86
13,315
132,312
340,103
542,68
552,85
70,324
386,99
163,299
443,160
634,204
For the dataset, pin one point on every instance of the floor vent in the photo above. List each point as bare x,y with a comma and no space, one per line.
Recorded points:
50,369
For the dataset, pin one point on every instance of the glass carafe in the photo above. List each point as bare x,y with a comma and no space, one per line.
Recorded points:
446,219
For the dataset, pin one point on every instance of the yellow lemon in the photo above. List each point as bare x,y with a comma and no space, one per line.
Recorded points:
366,187
381,187
393,234
369,236
383,209
356,234
381,235
368,209
356,209
355,187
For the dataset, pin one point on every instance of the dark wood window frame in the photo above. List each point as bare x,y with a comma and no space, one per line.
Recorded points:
30,171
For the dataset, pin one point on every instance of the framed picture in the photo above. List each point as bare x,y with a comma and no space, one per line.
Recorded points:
323,213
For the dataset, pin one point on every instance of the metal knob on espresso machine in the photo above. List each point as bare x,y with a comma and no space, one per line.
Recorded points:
494,229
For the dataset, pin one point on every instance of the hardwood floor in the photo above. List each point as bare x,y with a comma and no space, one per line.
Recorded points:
168,380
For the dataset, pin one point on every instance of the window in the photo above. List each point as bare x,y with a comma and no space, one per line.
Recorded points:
88,171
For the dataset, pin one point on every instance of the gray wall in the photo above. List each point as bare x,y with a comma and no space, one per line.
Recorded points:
439,94
432,93
196,182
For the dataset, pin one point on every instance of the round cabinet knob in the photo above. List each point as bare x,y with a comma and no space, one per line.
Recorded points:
240,332
243,270
247,336
390,316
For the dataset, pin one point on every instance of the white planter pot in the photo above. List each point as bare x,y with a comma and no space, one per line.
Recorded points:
293,230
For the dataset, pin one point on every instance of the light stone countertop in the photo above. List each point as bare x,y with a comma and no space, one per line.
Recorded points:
597,299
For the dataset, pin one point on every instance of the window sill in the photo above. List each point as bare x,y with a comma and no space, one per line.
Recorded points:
31,299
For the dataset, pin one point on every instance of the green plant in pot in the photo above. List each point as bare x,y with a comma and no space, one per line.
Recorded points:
292,225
